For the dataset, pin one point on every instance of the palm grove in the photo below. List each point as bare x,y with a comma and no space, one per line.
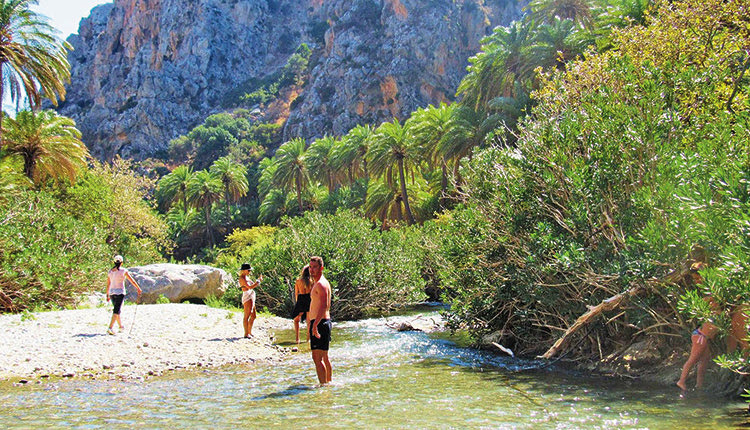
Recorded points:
594,147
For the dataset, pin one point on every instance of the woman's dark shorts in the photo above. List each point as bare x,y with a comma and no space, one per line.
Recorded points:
302,306
324,329
117,300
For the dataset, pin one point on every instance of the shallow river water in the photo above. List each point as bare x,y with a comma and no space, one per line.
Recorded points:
381,379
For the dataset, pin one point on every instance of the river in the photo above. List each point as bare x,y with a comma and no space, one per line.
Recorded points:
381,379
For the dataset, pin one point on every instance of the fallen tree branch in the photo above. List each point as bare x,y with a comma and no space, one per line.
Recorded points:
594,311
609,304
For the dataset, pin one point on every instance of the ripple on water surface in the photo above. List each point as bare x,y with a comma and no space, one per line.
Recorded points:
382,379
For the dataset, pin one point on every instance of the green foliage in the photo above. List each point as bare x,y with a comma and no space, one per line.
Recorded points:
162,300
34,58
47,256
213,302
293,73
631,158
371,272
57,243
239,240
49,144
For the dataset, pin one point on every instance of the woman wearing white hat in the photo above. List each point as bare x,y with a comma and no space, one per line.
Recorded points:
116,290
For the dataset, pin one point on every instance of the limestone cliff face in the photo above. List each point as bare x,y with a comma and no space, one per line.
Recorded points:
146,71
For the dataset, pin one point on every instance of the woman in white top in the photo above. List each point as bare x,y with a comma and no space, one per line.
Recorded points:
116,290
248,298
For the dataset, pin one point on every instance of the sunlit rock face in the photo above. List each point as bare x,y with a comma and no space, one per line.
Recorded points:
146,71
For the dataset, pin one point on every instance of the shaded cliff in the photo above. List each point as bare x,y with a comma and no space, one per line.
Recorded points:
146,71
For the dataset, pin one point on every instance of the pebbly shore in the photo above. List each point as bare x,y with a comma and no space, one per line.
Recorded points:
156,339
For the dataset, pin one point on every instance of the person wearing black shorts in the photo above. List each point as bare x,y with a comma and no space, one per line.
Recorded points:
320,320
116,278
324,341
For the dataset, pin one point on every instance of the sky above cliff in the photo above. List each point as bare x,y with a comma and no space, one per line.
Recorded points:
65,15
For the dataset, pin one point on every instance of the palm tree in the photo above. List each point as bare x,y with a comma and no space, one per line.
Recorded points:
555,44
33,60
502,62
173,187
273,207
467,129
233,177
49,144
203,191
383,202
349,152
290,167
428,126
267,168
391,153
318,161
577,11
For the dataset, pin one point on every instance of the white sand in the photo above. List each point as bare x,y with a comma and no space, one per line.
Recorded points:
75,343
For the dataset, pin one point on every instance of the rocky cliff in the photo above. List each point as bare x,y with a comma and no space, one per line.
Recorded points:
146,71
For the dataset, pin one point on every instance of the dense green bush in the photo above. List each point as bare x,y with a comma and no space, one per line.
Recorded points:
631,159
370,271
57,243
47,257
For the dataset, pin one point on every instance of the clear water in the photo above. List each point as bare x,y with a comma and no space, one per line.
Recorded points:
381,379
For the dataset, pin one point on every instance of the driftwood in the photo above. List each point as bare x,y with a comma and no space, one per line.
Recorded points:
504,349
615,302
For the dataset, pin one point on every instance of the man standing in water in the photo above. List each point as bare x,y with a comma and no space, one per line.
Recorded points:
320,320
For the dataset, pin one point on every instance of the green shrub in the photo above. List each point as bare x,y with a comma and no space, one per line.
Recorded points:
630,160
371,272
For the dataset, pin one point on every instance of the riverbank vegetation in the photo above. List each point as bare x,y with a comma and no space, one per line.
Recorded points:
593,152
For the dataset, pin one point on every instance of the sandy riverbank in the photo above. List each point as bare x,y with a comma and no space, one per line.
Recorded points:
75,343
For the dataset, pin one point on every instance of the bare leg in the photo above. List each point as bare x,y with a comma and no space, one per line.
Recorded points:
699,344
327,364
320,365
115,317
296,327
119,321
251,319
247,307
703,362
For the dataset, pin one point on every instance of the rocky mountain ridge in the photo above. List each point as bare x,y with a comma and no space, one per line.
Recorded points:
147,71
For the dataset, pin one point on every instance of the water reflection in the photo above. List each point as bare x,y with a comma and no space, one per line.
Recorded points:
382,379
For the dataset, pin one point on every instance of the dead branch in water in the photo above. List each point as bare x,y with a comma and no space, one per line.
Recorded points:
610,304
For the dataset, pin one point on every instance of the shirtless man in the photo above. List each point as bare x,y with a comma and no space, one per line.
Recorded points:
320,320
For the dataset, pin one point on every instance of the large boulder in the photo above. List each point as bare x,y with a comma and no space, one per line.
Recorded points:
178,282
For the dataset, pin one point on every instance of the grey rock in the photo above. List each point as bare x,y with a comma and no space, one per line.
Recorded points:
178,282
147,71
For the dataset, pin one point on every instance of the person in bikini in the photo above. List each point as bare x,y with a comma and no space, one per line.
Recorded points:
302,288
320,320
700,351
248,298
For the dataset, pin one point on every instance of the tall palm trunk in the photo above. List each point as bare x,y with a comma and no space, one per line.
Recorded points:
444,179
29,165
226,199
409,216
209,230
184,199
298,185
